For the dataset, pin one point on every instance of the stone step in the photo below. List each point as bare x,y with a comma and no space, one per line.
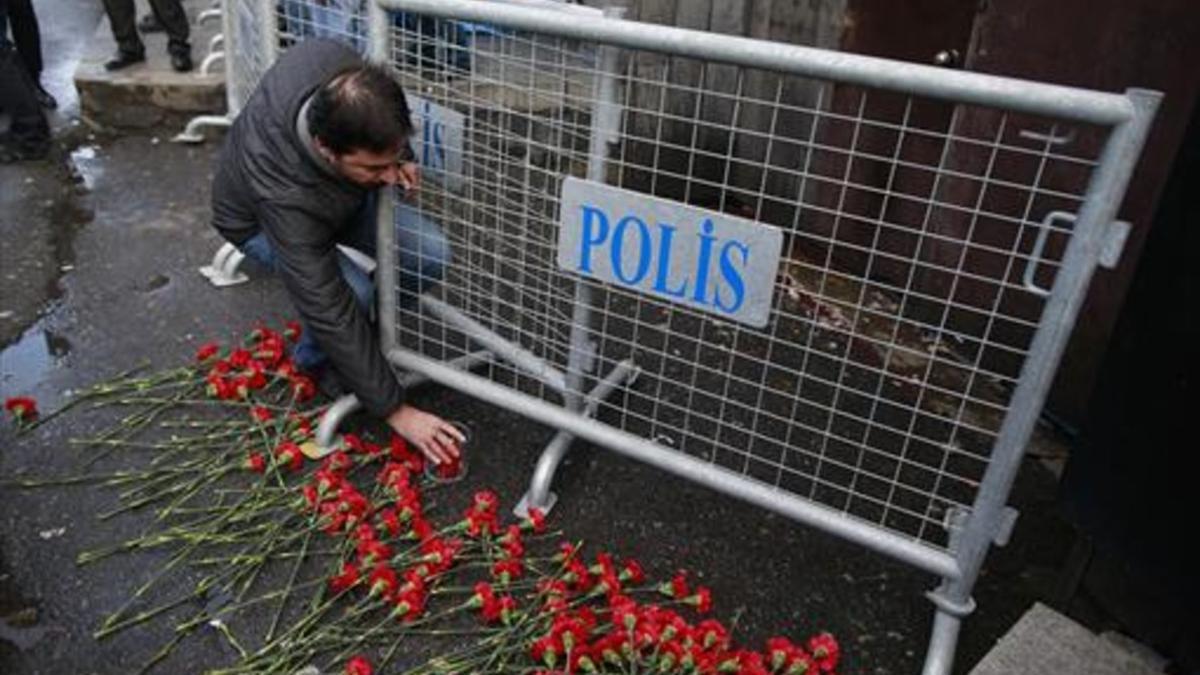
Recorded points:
1045,642
151,93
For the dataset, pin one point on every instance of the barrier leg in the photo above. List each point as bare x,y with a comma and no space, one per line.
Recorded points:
953,602
331,420
191,133
539,495
224,268
211,58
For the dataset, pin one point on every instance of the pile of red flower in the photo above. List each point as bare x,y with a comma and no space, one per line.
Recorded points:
251,368
551,614
533,603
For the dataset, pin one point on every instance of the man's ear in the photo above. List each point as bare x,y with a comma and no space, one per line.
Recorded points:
323,149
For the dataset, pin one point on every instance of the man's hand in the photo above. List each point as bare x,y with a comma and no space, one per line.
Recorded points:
410,177
436,438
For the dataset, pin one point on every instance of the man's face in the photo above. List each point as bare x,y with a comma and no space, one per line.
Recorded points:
368,168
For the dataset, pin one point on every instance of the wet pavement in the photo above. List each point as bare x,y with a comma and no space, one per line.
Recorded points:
98,273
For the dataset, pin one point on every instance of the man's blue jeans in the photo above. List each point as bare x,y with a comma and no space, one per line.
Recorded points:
422,255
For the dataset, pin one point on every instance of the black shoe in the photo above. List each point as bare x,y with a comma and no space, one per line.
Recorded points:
181,62
45,99
150,24
124,60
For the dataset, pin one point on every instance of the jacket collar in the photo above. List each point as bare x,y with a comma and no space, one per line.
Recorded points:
309,143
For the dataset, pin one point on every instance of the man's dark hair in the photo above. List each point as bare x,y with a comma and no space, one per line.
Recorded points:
360,109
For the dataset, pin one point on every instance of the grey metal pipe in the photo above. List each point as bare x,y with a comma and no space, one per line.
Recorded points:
941,83
943,640
1105,193
906,550
516,355
538,495
1104,196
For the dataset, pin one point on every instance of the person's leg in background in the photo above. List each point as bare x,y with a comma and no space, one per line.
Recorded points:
28,135
28,39
122,15
130,49
174,19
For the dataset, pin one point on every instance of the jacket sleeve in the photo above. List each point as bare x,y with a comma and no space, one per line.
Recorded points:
307,261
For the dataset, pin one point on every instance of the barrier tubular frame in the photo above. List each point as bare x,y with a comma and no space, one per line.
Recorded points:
1126,117
1129,117
268,49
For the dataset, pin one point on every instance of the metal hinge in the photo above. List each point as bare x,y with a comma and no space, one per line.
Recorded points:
1111,247
1114,243
956,520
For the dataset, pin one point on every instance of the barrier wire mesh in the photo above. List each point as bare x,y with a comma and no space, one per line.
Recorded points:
918,237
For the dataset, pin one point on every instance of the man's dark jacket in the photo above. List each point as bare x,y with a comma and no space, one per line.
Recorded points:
267,179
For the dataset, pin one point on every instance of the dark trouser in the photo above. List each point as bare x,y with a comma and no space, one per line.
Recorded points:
123,16
18,99
25,35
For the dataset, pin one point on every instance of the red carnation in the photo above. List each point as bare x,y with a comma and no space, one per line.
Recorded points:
825,651
712,633
508,569
346,580
508,607
337,462
450,470
632,572
513,546
240,358
373,551
303,428
483,596
780,652
578,576
566,551
701,600
256,462
535,520
486,501
677,587
289,454
624,611
358,665
382,580
390,521
292,330
206,351
545,650
261,414
421,529
303,388
22,408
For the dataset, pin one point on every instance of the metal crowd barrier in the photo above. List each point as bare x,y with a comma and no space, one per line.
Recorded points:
834,286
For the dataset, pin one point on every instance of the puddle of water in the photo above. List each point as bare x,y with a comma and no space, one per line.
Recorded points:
25,363
87,165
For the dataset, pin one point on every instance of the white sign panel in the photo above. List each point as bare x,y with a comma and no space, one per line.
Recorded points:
438,141
711,261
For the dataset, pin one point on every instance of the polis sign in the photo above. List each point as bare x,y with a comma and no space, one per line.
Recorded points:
711,261
438,141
